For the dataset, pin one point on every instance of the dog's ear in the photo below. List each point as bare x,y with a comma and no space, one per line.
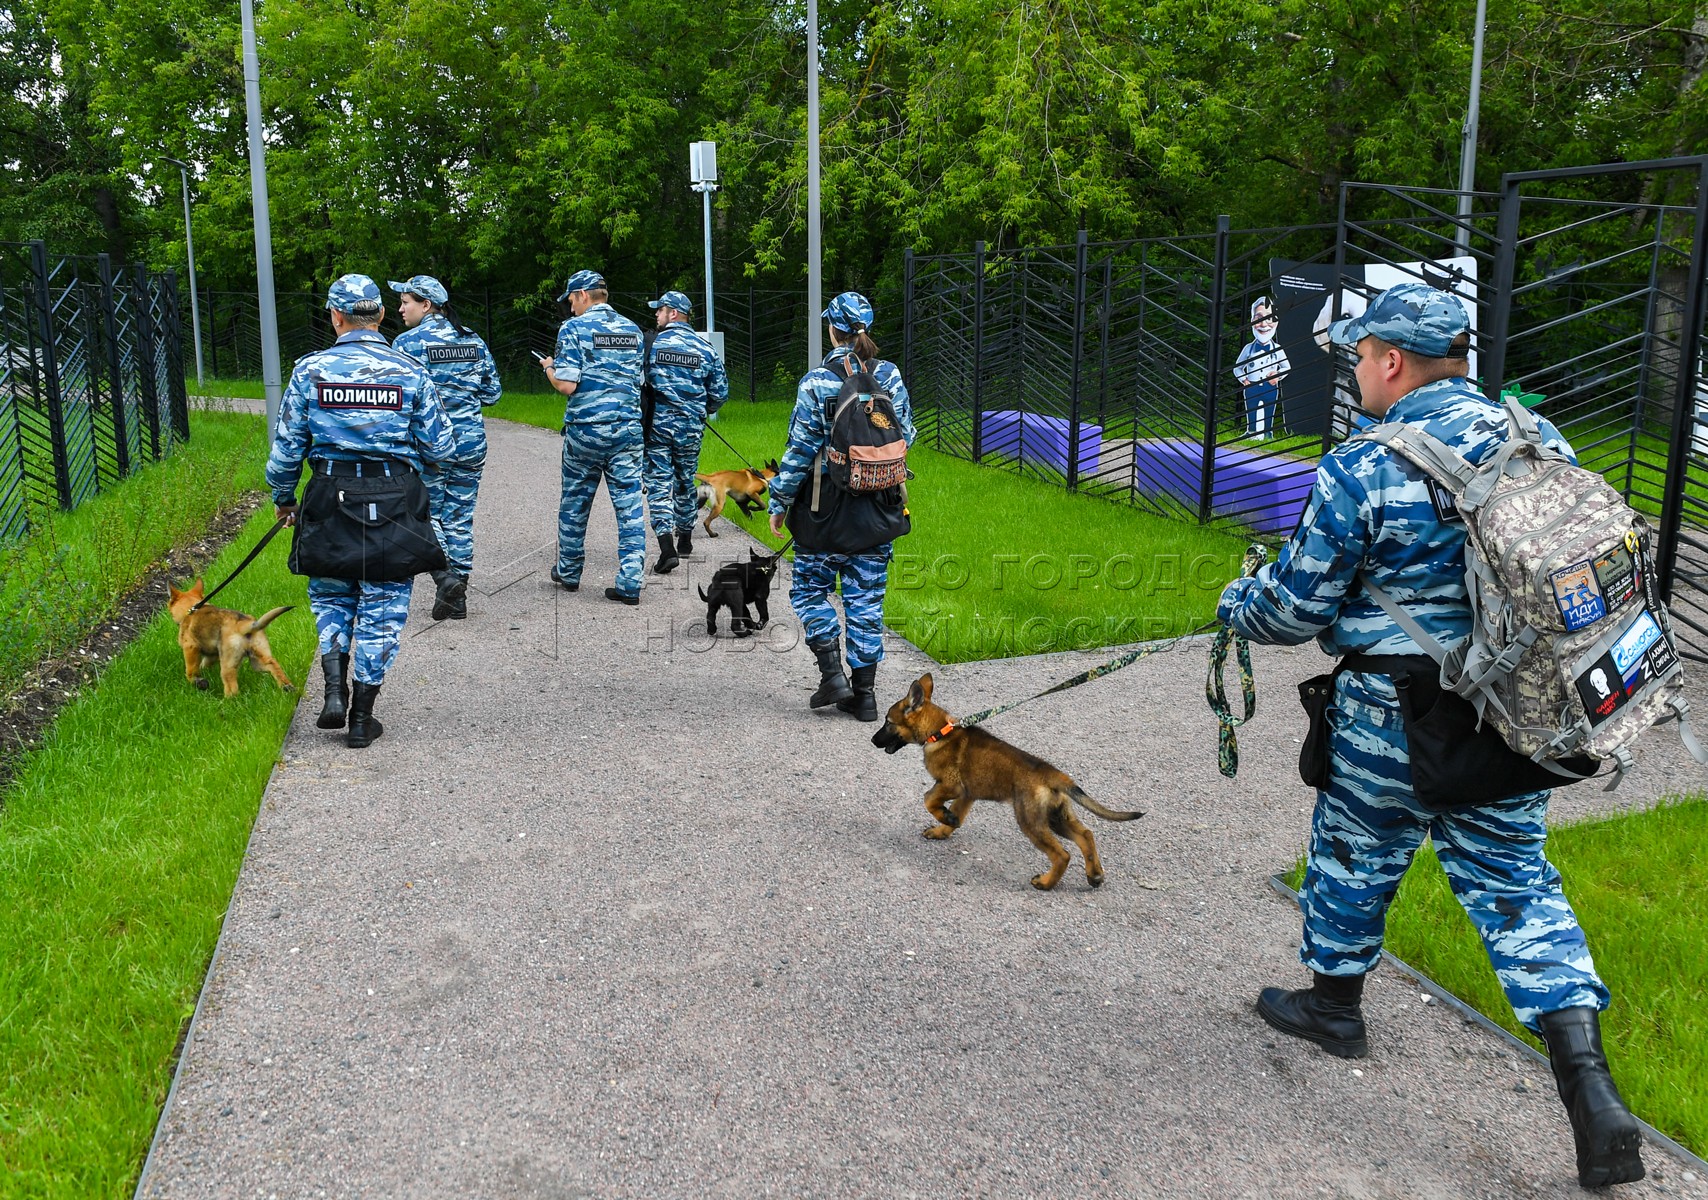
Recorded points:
175,592
920,692
197,590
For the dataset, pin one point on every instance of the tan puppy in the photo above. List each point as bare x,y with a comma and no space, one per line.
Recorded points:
744,486
971,764
225,635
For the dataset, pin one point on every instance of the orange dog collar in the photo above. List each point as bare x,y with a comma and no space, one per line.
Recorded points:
941,733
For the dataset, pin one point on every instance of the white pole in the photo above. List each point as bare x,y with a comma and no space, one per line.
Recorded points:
815,250
263,224
707,196
1468,143
190,253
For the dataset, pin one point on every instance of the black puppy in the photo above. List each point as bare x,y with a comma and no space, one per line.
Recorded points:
736,585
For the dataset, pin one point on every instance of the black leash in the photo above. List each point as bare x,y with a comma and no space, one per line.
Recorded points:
259,546
725,441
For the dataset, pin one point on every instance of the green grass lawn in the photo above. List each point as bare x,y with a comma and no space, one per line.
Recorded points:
1636,882
120,841
56,583
998,565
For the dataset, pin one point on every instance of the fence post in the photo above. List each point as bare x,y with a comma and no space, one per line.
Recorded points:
1334,357
1105,312
213,337
752,349
1080,251
1684,393
1645,361
1212,369
145,360
50,375
1506,263
115,373
177,388
978,350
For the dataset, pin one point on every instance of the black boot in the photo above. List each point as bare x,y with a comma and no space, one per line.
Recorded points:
450,598
832,683
667,560
363,727
684,542
1606,1133
332,713
863,704
1326,1013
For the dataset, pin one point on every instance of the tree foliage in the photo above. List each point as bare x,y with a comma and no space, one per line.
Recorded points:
502,143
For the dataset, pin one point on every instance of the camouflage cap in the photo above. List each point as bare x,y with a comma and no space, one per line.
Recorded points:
677,300
347,291
424,286
582,281
850,312
1412,316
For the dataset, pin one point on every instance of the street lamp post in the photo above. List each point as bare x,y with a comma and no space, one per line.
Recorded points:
263,224
815,250
1468,144
190,252
703,172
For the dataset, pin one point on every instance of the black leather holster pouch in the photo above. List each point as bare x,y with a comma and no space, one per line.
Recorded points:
371,527
1316,695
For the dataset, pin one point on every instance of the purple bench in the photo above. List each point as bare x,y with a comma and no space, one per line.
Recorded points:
1265,492
1038,439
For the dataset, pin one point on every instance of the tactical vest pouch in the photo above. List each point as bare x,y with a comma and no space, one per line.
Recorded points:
374,528
1316,694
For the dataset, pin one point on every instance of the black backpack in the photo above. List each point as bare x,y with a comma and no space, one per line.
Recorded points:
857,498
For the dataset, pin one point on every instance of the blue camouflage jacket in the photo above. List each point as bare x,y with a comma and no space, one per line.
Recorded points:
358,399
463,370
808,427
685,373
600,352
1372,514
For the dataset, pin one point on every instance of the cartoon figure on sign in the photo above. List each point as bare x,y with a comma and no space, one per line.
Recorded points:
1260,368
1598,681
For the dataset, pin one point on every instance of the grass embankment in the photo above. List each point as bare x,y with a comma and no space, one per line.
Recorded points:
120,841
58,582
1636,882
998,565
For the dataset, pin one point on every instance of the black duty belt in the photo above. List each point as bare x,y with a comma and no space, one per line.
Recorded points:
1390,664
327,466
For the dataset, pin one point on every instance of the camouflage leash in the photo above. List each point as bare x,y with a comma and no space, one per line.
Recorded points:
1227,748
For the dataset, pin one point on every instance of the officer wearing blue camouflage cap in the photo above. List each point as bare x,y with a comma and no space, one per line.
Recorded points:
1374,516
391,421
685,384
863,576
467,378
597,366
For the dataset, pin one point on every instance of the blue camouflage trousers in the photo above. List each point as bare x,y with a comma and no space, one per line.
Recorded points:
452,488
863,577
363,620
670,488
1366,828
611,451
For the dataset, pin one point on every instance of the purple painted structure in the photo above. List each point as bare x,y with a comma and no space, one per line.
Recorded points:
1265,492
1041,440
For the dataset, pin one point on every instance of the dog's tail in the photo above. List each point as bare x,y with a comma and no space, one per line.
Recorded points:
703,494
266,618
1090,805
705,598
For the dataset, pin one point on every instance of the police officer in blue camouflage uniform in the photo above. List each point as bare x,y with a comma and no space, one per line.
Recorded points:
1373,515
688,384
864,575
358,621
597,365
467,379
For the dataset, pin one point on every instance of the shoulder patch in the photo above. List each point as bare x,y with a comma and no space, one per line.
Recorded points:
676,358
1446,511
453,354
616,341
384,396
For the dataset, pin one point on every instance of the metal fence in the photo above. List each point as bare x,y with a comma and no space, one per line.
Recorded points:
764,330
91,377
1136,370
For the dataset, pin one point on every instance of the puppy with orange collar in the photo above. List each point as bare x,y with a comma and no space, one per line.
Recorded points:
971,764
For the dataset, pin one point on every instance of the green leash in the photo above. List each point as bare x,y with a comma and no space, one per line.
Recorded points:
1227,747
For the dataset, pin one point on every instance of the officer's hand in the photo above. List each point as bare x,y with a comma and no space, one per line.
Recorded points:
776,525
286,513
545,363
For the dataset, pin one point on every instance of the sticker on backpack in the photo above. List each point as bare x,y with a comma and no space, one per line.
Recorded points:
1578,594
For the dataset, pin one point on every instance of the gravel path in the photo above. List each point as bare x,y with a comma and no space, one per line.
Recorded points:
609,912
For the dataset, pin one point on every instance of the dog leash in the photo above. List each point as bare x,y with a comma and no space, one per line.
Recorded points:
1227,748
259,546
725,441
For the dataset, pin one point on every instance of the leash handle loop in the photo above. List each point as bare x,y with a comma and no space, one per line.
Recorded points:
1227,745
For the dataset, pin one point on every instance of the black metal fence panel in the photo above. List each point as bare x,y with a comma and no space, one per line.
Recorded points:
90,386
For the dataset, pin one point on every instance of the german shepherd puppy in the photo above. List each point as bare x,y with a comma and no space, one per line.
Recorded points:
971,764
744,486
736,585
225,635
